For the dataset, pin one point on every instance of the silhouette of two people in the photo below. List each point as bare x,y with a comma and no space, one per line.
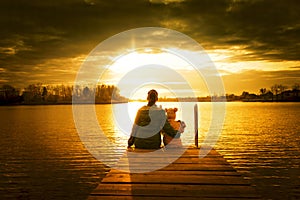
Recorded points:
150,121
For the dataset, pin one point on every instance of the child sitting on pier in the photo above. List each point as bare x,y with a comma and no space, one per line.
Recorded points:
168,140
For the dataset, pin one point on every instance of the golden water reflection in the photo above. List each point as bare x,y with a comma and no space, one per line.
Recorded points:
259,139
42,155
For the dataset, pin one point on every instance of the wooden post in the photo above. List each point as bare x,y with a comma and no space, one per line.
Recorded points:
196,124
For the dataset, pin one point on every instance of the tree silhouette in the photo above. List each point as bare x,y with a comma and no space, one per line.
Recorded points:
9,95
275,90
296,88
44,94
262,91
282,88
63,94
86,91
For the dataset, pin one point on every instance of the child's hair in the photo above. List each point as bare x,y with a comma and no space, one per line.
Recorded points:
152,97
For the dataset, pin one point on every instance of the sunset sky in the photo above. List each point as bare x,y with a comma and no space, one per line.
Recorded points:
253,44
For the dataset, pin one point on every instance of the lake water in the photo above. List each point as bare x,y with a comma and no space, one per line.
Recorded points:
43,157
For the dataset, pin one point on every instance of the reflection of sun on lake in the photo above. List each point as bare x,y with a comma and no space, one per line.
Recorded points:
41,151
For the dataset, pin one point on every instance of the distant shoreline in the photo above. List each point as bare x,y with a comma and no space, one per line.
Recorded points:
61,103
122,102
40,94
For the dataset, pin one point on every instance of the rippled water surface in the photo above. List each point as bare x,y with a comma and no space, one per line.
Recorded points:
262,141
42,156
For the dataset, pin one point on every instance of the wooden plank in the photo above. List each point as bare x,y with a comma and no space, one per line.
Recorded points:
178,179
156,198
180,160
168,162
187,177
184,151
175,172
176,190
176,167
172,156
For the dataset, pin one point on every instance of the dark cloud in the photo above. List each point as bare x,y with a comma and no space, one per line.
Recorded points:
262,26
53,29
72,27
33,32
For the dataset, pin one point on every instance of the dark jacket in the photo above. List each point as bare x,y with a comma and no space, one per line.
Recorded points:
148,124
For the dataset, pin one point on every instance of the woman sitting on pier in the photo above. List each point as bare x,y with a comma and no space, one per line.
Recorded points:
149,121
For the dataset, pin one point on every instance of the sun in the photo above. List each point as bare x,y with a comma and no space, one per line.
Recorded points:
147,56
153,68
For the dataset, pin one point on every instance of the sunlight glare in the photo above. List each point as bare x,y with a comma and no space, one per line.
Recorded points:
128,62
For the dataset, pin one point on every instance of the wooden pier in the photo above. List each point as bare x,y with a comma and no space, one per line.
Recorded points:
188,177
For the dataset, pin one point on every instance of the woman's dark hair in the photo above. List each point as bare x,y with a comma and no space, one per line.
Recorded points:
152,97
